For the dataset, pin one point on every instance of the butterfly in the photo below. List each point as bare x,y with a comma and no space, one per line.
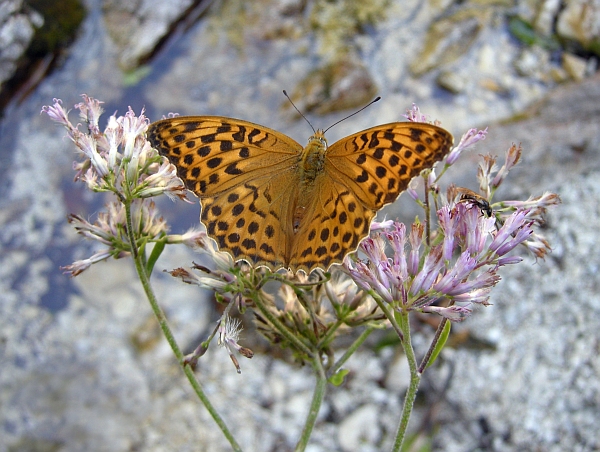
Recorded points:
272,202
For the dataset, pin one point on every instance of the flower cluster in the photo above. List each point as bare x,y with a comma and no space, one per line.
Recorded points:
462,268
473,240
119,160
110,229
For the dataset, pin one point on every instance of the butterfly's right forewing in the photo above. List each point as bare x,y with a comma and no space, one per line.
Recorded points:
362,173
213,154
377,164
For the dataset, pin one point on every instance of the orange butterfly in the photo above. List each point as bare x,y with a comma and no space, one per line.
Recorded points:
272,202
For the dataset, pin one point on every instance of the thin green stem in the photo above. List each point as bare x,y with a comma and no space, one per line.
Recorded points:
315,405
427,213
164,326
324,341
350,351
389,315
415,378
441,173
192,358
314,321
130,233
189,373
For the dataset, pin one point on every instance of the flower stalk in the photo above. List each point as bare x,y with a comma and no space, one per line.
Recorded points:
413,386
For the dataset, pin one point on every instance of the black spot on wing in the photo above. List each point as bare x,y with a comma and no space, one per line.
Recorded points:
209,138
214,162
190,126
240,135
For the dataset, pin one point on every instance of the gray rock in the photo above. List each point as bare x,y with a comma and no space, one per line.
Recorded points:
360,430
580,21
17,27
136,27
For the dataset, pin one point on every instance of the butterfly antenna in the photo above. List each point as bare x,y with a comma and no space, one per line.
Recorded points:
288,97
356,112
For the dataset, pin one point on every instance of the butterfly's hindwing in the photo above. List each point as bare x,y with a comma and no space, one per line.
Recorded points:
249,220
335,224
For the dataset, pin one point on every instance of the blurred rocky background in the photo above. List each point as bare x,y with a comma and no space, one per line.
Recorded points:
82,362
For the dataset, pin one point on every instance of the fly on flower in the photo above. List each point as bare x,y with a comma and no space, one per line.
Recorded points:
475,199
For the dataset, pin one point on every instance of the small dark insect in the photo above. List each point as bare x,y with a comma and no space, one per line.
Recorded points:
475,199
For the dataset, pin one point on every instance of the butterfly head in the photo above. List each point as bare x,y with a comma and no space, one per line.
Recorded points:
318,139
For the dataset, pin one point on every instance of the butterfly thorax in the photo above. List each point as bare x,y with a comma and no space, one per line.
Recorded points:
313,159
312,162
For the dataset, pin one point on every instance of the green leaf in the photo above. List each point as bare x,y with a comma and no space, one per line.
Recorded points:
524,32
338,378
440,343
156,252
134,76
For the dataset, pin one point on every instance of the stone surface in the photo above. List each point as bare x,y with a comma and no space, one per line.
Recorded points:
339,86
136,27
360,430
450,38
17,27
580,21
574,66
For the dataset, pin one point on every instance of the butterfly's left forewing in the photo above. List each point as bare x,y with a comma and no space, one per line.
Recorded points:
377,164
